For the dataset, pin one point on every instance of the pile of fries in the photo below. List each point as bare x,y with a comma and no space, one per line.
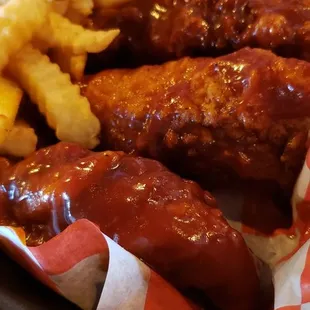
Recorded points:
43,51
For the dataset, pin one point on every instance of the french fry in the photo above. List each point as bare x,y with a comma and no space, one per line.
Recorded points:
84,7
75,17
19,19
77,66
40,45
60,32
69,63
107,4
60,6
57,98
20,142
30,28
10,99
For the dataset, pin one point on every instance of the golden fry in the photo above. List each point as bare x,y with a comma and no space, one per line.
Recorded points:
19,19
107,4
20,142
10,99
75,17
58,99
62,33
84,7
40,45
69,63
60,6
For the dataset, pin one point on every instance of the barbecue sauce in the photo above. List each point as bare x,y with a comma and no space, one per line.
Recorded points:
168,222
156,31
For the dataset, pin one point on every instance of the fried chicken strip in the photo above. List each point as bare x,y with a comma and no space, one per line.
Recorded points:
168,222
158,30
246,113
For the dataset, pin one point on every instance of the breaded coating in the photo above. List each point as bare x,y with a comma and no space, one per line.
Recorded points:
246,113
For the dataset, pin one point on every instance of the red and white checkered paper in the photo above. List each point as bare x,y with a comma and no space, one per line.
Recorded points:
291,272
92,271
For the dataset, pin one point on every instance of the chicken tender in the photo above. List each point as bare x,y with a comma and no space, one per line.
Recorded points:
244,114
168,222
153,31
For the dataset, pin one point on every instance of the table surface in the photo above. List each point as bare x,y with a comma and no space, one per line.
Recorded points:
19,291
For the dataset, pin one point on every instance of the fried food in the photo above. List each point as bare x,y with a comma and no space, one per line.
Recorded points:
68,62
18,24
60,6
107,4
21,141
11,96
154,31
74,65
40,22
246,113
168,222
58,99
75,17
60,32
83,7
29,29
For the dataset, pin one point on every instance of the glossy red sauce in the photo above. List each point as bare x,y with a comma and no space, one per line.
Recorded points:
168,222
244,114
154,31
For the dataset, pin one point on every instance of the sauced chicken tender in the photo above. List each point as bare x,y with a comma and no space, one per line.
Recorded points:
246,113
158,30
168,222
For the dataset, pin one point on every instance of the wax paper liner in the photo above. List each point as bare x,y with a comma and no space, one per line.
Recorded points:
92,271
286,251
